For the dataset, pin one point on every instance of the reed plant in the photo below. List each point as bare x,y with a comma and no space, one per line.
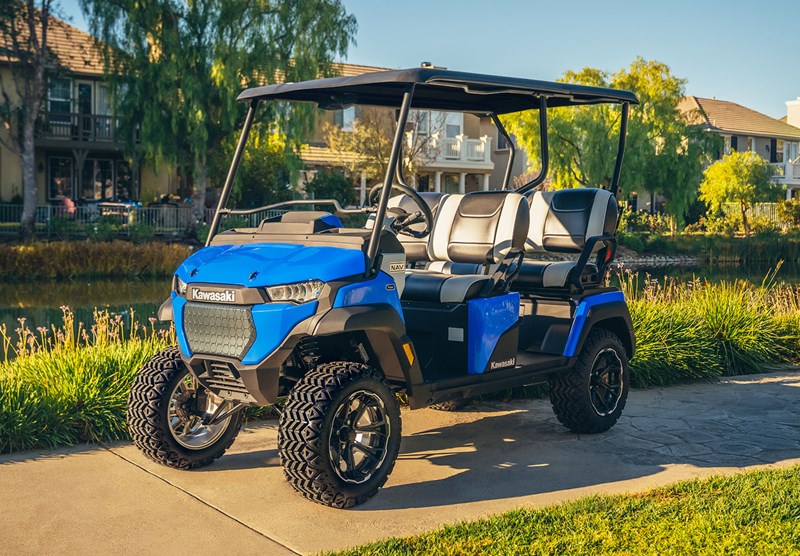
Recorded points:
69,383
116,259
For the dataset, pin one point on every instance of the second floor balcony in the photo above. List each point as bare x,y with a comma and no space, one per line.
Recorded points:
787,172
63,127
459,152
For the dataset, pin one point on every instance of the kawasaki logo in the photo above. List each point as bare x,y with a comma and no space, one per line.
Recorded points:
225,296
503,364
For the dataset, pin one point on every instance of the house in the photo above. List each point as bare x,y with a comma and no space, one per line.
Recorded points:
79,152
459,153
743,129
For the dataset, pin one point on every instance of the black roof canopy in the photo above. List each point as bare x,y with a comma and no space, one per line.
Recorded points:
439,89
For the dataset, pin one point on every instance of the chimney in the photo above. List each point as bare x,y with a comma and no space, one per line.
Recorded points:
793,112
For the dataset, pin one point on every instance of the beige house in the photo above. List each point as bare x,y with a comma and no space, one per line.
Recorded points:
462,152
79,151
743,129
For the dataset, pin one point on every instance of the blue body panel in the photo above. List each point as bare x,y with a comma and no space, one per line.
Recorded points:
272,264
273,322
260,265
487,319
380,289
580,317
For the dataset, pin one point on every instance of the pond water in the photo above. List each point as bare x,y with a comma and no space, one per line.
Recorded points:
40,302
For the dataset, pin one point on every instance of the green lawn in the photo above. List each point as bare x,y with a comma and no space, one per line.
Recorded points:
752,513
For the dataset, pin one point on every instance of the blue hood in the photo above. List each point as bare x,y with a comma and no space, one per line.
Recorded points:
272,264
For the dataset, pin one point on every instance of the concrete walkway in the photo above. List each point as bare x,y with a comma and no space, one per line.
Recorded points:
453,466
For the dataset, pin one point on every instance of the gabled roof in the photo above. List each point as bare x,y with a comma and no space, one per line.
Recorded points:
439,89
729,117
73,50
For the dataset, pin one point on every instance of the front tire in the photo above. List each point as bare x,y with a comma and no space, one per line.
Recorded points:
339,434
591,397
163,420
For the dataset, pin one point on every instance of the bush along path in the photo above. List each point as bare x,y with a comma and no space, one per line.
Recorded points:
70,383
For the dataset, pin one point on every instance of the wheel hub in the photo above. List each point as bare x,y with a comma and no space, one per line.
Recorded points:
185,419
359,437
606,382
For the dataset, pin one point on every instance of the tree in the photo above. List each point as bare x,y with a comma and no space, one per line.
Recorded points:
329,184
663,154
24,26
365,147
743,178
177,66
267,170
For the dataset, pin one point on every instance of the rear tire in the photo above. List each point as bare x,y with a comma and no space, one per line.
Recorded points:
591,397
339,434
154,427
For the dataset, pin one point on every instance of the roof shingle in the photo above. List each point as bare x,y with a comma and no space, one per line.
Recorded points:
724,116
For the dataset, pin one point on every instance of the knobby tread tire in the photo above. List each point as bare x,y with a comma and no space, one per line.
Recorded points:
569,394
147,416
305,426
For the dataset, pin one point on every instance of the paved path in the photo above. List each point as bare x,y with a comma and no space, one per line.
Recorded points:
453,466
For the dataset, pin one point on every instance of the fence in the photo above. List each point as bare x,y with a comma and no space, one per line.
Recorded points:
758,210
119,219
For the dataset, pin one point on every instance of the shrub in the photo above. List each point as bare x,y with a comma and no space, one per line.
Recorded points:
788,213
631,241
332,185
141,232
105,229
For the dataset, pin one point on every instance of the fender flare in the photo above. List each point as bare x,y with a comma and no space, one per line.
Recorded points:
165,313
613,316
385,331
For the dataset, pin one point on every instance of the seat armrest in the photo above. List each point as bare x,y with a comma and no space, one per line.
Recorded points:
609,242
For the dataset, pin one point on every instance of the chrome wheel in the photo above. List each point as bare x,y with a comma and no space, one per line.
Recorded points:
188,404
359,436
606,382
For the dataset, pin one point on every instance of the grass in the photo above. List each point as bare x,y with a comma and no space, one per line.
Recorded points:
701,330
115,259
757,512
70,384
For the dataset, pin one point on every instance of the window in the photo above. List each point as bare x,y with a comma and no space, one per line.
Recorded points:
734,143
59,172
97,182
502,142
59,100
751,144
777,150
421,119
345,118
125,186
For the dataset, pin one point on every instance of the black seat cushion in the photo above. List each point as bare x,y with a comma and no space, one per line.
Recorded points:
436,287
550,274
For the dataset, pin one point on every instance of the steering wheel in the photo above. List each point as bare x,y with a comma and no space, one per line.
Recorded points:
404,220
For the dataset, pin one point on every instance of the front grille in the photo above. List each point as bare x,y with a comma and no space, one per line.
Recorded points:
218,329
222,378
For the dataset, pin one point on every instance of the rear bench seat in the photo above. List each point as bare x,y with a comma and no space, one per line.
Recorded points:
562,222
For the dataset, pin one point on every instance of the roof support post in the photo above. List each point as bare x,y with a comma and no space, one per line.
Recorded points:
512,150
545,148
623,131
391,169
237,158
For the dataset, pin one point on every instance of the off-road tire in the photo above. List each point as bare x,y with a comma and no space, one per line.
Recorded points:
570,393
148,405
452,405
305,430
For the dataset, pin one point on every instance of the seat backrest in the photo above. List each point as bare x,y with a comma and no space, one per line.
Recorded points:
561,221
416,248
479,228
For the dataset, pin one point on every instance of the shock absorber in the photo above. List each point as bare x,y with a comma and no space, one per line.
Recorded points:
308,350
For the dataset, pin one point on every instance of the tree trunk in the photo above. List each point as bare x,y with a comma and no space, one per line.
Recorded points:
745,222
200,179
29,186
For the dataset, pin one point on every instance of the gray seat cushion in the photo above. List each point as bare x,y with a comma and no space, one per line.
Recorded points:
436,287
550,274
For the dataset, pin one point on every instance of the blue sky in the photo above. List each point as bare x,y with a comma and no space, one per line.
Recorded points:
743,51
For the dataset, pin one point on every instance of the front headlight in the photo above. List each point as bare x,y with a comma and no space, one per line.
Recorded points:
180,286
300,292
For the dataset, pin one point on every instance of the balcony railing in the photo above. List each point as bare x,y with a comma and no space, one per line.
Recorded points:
787,171
78,127
459,149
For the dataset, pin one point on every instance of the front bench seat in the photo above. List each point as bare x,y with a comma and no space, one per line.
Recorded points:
562,222
486,227
416,248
